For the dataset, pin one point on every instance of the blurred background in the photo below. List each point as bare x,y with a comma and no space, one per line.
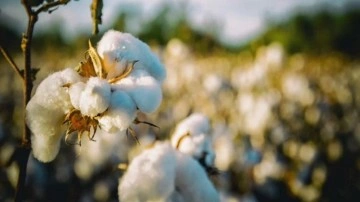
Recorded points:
280,81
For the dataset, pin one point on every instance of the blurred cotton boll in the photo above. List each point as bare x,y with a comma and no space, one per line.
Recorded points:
150,176
95,98
192,137
165,174
117,49
192,181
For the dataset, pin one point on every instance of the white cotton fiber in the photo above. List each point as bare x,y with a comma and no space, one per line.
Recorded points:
196,123
150,176
75,91
50,102
143,89
121,112
45,113
51,92
46,110
192,181
43,121
45,147
117,48
95,98
165,174
192,136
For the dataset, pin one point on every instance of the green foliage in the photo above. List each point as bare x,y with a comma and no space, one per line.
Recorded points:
321,32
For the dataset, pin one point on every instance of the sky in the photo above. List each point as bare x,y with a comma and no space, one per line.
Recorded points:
239,20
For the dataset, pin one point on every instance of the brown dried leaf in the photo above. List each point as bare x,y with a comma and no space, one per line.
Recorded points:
86,69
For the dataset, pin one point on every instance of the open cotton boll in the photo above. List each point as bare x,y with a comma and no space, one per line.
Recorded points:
200,147
75,91
45,147
196,123
51,91
165,174
192,137
121,112
95,98
117,48
150,176
46,109
143,89
192,182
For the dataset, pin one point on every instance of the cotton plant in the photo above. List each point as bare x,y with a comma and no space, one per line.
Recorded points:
171,171
192,137
119,78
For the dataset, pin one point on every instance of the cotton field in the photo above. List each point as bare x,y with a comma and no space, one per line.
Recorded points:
271,127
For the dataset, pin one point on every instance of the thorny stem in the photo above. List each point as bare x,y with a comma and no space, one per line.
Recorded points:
24,150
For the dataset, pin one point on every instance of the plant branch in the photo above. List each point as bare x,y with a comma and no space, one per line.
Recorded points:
11,62
96,13
25,148
48,6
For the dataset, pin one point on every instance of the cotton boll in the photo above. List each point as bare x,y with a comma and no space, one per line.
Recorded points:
41,120
192,137
192,181
46,109
116,49
150,176
45,113
69,75
165,174
75,93
197,123
200,147
45,147
51,92
95,98
143,89
106,123
121,112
